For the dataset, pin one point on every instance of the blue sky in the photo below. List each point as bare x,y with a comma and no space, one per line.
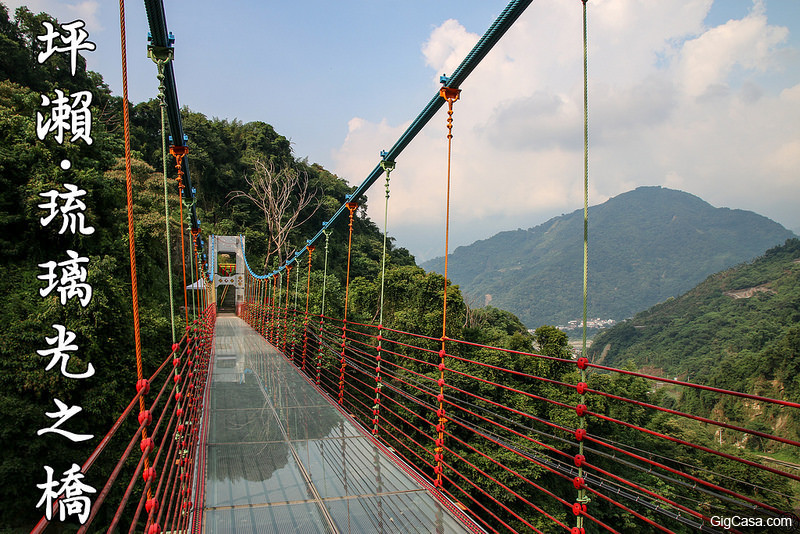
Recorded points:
697,95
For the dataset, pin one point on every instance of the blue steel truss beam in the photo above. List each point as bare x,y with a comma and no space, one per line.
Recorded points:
160,37
510,14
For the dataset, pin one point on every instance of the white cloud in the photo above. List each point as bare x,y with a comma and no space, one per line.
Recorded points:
707,61
447,46
671,102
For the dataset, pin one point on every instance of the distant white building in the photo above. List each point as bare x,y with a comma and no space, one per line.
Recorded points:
590,323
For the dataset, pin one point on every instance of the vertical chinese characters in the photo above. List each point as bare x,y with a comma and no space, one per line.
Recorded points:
72,40
67,113
68,277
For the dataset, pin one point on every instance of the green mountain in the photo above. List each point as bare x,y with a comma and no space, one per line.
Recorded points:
739,329
645,246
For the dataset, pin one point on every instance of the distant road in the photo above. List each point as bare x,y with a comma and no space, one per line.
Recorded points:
781,462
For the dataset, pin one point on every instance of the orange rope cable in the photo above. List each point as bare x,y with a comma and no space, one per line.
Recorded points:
252,301
270,302
286,309
310,249
179,152
183,260
451,95
129,192
351,206
254,305
273,293
278,310
262,306
137,335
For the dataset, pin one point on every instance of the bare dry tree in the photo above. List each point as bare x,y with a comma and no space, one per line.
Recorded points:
281,195
471,319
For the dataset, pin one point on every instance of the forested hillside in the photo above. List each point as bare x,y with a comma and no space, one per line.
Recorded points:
739,330
645,246
103,328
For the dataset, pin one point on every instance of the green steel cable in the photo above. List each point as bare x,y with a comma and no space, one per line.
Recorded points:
191,237
294,311
161,59
296,283
585,181
325,272
191,272
585,178
388,166
582,497
504,21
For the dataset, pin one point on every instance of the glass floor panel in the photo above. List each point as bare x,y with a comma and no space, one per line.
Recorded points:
351,467
282,458
290,518
253,473
400,513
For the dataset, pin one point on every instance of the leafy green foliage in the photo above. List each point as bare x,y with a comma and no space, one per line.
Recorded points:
104,328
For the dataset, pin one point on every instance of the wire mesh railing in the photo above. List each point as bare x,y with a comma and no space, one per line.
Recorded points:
161,465
510,422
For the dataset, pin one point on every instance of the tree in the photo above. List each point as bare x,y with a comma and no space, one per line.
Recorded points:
281,195
552,341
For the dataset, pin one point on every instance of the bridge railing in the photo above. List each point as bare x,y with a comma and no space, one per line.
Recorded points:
523,444
161,468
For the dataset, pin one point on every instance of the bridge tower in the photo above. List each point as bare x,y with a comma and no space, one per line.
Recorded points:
228,268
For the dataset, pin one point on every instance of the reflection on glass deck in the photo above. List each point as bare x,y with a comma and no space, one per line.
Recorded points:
282,459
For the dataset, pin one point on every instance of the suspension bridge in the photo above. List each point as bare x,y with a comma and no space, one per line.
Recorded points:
275,416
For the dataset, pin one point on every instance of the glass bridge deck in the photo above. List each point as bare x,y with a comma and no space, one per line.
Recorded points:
281,458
